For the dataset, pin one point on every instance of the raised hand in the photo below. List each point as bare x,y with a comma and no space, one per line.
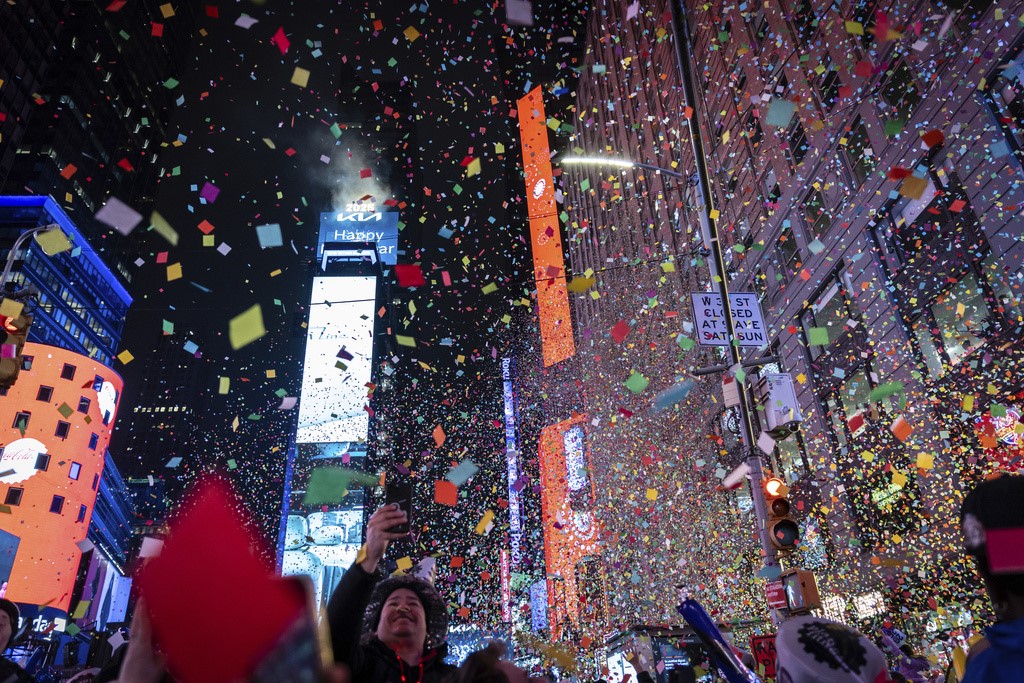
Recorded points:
378,534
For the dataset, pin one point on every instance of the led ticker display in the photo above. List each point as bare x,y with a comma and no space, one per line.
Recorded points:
545,235
56,423
339,353
515,505
362,224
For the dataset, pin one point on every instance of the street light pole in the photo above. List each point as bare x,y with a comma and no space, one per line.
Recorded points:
17,246
718,274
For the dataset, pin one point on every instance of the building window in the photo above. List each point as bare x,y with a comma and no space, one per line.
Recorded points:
42,461
83,405
68,371
1006,302
787,254
94,440
805,22
752,124
44,394
760,284
955,324
847,407
57,505
13,496
831,309
95,481
1005,98
828,86
859,155
26,362
75,471
864,13
81,513
757,26
21,420
900,90
63,428
816,216
796,142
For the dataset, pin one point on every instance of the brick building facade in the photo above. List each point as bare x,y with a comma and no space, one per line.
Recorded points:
865,160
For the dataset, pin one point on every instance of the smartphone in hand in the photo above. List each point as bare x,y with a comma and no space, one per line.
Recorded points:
400,493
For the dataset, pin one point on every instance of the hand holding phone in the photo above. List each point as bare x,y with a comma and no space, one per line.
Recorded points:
400,493
380,530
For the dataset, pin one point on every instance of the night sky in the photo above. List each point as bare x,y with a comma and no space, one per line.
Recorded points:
437,85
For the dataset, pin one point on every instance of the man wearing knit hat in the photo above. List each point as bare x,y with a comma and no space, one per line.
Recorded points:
388,630
815,650
992,518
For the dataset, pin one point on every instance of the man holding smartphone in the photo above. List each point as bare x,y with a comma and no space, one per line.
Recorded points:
388,630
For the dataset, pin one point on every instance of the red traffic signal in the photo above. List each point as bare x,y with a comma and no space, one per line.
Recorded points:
783,531
15,331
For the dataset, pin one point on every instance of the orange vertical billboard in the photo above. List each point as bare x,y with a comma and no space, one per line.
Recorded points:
571,532
55,424
545,235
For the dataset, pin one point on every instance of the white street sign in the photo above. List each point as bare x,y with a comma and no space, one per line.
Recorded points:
709,319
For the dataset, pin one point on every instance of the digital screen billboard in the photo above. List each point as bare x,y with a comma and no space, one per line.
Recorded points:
545,234
362,225
515,485
55,423
570,530
337,367
321,541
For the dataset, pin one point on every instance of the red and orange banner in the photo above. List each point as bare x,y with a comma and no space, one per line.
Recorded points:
545,236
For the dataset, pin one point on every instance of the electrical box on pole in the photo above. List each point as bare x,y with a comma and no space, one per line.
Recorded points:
777,395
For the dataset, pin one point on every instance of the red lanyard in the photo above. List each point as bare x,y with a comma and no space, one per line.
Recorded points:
401,668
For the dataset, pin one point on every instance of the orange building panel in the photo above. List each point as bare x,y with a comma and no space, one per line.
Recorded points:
55,424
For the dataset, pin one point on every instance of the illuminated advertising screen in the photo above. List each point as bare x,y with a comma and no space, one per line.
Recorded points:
545,234
317,540
321,541
362,224
570,531
339,353
55,423
515,504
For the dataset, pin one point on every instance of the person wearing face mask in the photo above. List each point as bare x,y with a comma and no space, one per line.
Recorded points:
992,519
388,630
9,620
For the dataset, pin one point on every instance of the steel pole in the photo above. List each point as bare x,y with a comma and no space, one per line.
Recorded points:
14,251
719,277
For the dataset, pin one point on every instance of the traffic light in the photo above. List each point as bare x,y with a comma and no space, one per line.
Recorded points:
14,333
783,530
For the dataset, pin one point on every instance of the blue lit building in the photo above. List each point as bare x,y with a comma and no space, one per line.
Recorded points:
83,304
113,516
82,307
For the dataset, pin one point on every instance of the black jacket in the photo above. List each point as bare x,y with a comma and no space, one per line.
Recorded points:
12,673
370,660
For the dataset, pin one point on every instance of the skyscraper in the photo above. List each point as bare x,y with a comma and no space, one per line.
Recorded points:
86,94
159,426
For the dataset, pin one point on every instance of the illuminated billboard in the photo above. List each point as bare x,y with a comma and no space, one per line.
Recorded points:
515,485
55,423
339,353
362,224
545,234
317,539
570,529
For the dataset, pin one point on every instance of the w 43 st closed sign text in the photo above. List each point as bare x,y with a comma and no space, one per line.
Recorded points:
709,319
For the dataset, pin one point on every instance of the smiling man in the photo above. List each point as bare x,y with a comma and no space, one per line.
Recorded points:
388,630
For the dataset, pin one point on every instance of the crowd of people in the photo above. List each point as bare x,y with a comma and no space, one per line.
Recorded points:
394,629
